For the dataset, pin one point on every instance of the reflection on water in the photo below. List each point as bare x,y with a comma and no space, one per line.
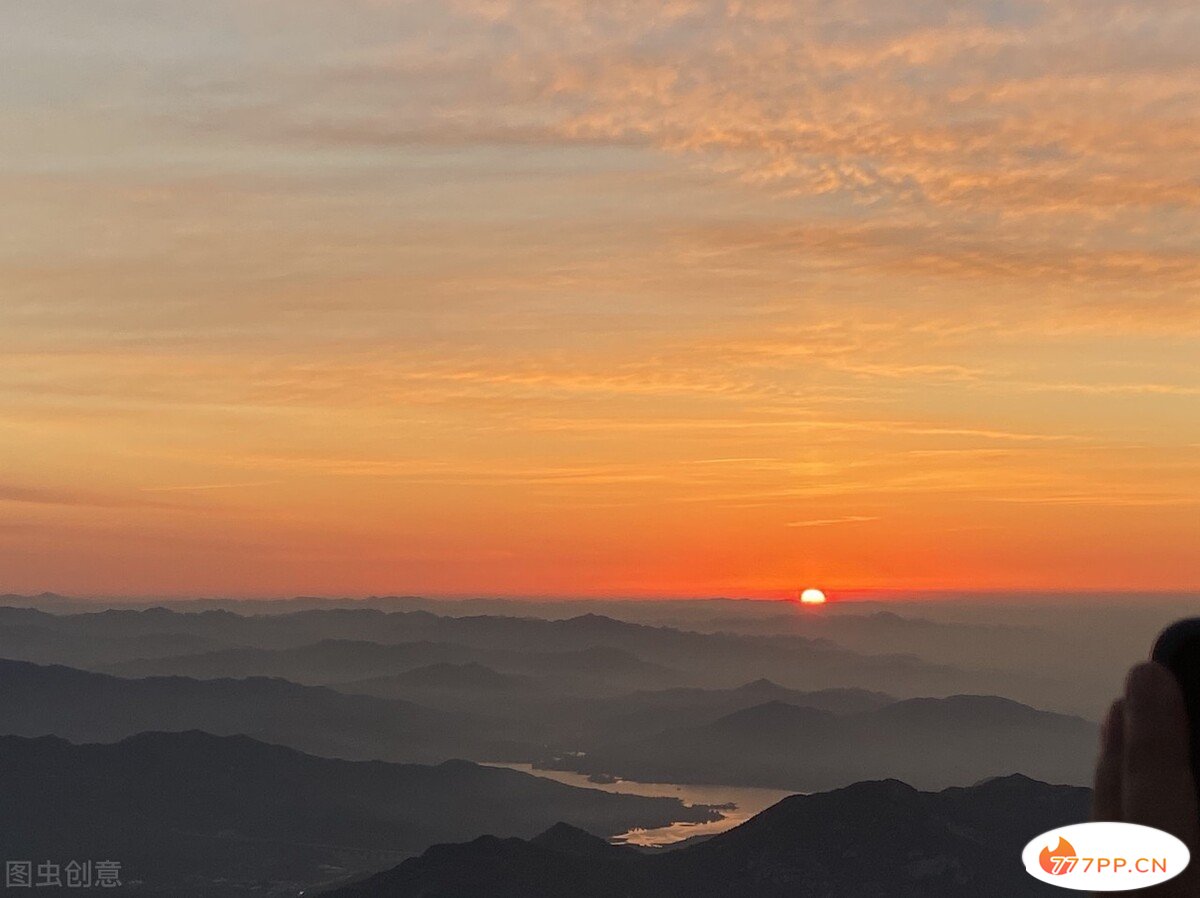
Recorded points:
746,800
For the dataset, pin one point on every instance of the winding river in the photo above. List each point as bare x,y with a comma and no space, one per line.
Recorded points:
747,802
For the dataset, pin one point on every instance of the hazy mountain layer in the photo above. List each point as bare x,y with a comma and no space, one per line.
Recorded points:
930,743
619,656
87,707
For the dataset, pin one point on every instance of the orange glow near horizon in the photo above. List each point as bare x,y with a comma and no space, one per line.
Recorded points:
640,299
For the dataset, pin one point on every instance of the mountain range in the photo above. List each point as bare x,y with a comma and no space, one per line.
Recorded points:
879,839
634,655
83,706
773,736
927,742
595,669
191,814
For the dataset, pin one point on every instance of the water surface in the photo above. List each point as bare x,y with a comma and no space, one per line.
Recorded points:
747,801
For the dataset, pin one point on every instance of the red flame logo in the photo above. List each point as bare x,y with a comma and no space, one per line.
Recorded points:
1056,862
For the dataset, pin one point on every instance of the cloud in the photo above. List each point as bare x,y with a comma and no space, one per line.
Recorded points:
1021,141
66,497
1029,109
205,487
827,522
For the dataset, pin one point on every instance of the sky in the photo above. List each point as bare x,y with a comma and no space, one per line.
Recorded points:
629,298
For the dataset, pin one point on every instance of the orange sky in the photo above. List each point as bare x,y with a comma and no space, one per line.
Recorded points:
555,297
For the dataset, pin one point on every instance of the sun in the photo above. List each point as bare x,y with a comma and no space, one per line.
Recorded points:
812,596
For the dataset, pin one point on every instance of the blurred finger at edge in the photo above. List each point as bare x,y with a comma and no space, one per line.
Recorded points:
1106,795
1157,788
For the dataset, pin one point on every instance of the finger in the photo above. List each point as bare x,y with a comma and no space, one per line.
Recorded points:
1157,788
1106,795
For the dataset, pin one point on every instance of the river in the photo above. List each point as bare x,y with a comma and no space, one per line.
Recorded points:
747,800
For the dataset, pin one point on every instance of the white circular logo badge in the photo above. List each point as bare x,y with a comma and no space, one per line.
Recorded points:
1105,857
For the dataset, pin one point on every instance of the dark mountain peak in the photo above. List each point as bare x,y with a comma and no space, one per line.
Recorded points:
179,737
762,684
1013,780
211,614
151,612
990,709
351,612
183,737
856,798
35,743
332,642
567,839
28,669
982,701
1014,785
468,675
773,713
877,790
182,744
593,621
22,612
865,699
766,708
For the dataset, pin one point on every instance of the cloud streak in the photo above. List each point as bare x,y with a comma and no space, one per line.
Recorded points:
829,522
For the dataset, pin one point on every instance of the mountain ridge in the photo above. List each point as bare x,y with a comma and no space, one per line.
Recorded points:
184,810
878,838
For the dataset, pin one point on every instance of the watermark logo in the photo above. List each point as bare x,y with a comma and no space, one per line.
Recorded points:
1105,857
1059,861
71,875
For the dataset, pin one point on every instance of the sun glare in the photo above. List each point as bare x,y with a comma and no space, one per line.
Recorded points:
812,597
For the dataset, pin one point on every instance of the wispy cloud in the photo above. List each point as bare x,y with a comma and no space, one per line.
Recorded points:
827,522
69,497
205,487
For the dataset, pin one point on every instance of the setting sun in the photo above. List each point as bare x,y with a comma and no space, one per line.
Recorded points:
812,597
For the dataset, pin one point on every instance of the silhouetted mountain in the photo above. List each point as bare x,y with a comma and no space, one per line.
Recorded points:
84,706
29,635
542,708
472,688
195,814
585,725
458,714
881,839
595,669
836,701
471,675
926,742
1021,645
325,661
715,660
711,659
